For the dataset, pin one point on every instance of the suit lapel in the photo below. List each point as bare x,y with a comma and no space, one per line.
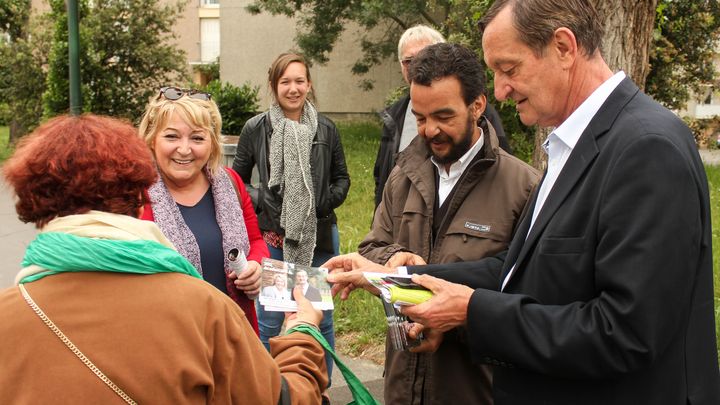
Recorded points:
518,240
580,160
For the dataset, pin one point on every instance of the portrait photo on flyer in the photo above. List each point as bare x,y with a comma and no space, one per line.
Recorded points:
279,278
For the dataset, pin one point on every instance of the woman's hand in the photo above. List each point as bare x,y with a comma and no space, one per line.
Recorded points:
249,280
306,313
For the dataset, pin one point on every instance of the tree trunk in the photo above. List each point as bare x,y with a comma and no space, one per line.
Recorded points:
539,157
628,35
626,46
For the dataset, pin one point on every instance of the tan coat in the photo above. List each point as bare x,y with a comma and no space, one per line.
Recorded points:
486,207
164,339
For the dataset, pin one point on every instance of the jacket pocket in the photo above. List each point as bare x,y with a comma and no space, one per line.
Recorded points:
497,231
561,245
471,239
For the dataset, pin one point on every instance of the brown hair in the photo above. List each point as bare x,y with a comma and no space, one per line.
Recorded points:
537,20
279,66
74,164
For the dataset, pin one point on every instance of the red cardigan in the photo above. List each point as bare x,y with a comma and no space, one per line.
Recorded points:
258,248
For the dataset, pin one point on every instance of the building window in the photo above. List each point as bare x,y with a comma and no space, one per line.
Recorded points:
209,39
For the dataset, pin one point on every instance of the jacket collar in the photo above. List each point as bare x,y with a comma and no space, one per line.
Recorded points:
415,162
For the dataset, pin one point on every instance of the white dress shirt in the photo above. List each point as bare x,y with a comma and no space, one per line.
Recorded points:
448,178
561,142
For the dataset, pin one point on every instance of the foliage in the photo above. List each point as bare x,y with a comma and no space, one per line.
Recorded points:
127,52
14,16
362,313
236,104
22,79
210,70
6,148
705,130
396,94
684,44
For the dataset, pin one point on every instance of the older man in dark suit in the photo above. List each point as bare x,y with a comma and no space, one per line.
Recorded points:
605,295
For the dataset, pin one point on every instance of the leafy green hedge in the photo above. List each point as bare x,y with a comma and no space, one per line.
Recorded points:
236,104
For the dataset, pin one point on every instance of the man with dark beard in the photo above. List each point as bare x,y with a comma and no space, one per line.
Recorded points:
454,195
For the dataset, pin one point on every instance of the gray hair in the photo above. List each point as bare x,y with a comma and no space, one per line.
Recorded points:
419,33
537,20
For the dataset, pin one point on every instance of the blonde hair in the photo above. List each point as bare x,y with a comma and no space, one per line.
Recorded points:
196,112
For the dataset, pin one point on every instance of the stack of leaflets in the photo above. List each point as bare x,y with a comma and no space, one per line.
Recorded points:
398,289
395,291
279,278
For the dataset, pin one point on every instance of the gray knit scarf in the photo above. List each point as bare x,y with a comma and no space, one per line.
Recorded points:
228,213
290,175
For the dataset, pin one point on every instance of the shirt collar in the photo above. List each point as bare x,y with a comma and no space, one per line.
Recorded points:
461,164
570,130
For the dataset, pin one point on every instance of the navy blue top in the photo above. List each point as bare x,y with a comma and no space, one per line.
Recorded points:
203,224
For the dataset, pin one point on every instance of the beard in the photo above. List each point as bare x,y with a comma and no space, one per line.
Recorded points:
457,149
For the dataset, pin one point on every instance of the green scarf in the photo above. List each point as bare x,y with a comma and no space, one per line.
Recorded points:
61,252
360,393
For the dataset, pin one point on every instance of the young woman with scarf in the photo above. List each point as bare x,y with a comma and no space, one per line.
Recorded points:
200,206
104,307
302,177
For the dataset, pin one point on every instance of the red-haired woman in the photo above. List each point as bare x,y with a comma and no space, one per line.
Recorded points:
138,320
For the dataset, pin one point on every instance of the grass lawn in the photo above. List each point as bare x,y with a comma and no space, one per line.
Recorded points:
713,173
5,151
360,318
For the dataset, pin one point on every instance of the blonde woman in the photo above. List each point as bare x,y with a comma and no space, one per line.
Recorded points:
201,207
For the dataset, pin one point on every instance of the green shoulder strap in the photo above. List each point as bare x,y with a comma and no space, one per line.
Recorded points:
360,393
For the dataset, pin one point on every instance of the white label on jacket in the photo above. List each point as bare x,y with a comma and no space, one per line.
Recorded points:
477,227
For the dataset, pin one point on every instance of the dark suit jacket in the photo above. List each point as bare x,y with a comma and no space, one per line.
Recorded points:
611,301
312,294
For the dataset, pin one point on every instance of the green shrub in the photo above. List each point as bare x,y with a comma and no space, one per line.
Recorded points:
236,104
6,149
5,114
210,70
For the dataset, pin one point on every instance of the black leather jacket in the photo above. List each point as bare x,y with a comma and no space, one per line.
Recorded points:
327,164
393,119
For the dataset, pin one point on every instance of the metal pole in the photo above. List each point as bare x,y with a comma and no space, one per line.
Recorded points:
74,56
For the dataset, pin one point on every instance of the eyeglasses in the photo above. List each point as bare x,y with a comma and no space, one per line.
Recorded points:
406,62
174,93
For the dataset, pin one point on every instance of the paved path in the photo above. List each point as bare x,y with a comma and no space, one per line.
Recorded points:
14,237
710,156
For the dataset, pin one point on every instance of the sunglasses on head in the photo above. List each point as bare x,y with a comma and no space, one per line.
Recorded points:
174,93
